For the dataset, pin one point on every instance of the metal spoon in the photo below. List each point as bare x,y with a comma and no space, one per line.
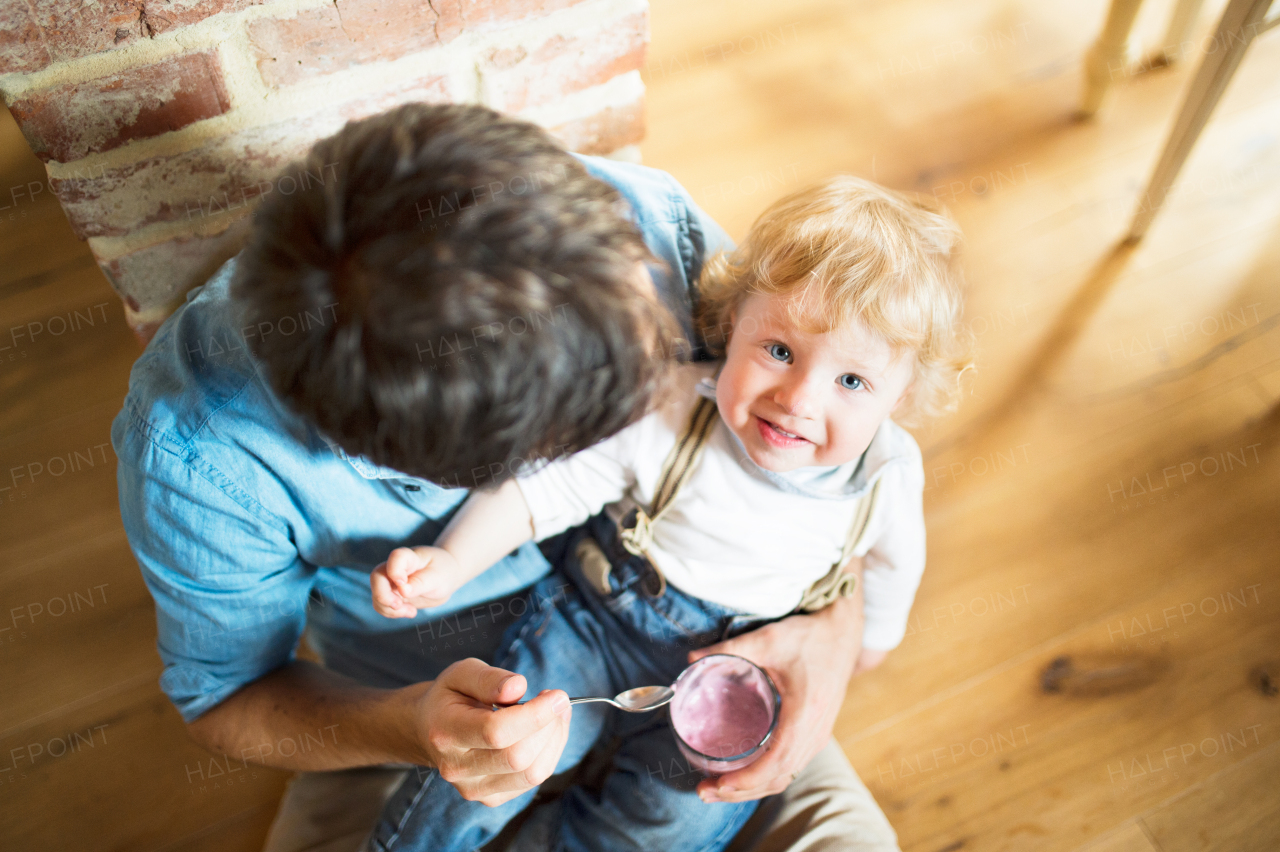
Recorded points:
642,699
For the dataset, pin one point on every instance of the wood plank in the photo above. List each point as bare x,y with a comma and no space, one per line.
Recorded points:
64,344
1003,764
22,270
1130,838
987,594
121,774
58,484
242,832
1228,228
1237,809
87,616
104,341
872,89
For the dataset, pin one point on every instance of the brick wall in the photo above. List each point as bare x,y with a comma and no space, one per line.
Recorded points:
162,122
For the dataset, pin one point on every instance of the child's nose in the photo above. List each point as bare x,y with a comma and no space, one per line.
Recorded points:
797,398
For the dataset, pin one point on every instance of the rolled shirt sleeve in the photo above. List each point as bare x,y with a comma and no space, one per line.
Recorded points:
894,564
230,589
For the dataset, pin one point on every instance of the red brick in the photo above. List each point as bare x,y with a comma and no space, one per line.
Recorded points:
484,14
161,16
231,172
153,279
34,34
605,132
353,32
67,29
22,45
68,122
564,64
226,173
223,174
435,89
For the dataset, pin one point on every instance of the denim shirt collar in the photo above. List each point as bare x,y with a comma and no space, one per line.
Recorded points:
362,465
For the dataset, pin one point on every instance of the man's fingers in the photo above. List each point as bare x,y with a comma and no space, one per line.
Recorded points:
740,787
498,789
510,690
770,774
508,725
493,790
494,801
757,776
520,757
479,726
770,789
486,684
505,751
546,758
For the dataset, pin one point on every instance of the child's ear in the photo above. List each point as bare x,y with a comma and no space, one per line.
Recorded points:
905,393
728,325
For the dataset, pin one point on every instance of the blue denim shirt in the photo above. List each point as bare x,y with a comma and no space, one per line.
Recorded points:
249,527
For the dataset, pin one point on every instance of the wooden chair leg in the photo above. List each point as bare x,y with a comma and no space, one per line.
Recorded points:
1176,42
1105,59
1240,23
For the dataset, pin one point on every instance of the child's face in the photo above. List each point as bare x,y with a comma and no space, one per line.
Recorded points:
797,399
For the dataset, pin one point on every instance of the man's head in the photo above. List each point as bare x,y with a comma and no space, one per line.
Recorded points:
479,291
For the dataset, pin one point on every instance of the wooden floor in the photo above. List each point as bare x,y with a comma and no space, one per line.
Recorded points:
1093,657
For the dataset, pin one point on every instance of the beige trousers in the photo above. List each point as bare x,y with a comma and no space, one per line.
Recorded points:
826,809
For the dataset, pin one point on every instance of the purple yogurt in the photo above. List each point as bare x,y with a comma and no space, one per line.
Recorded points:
723,713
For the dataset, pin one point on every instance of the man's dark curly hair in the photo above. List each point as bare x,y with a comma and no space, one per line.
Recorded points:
469,293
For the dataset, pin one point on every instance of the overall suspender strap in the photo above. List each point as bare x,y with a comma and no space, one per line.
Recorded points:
838,583
675,472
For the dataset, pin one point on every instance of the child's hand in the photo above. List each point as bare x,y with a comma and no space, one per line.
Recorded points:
414,578
868,660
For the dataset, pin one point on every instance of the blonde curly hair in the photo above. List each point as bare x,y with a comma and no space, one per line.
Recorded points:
849,251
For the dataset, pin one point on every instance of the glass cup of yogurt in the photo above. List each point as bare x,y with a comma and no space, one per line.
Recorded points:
723,713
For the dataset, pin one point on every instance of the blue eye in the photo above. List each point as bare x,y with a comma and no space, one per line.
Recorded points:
779,352
850,382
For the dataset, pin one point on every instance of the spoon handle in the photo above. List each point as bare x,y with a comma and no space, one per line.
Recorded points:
572,701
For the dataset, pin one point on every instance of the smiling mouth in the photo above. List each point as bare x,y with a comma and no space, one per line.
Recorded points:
777,436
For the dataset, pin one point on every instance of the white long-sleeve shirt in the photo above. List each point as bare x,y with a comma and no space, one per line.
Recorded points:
743,537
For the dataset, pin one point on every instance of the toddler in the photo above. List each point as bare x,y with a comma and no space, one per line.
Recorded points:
741,498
